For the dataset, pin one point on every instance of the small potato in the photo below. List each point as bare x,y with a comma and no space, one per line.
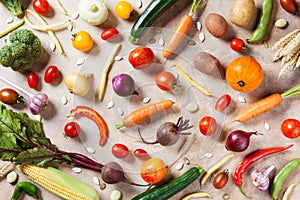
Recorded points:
216,25
206,63
242,12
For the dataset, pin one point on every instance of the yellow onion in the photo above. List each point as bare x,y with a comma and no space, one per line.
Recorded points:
77,83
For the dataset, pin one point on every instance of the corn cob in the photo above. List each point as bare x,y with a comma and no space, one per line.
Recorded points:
59,183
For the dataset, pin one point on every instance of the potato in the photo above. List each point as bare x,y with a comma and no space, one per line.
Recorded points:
242,12
206,63
216,25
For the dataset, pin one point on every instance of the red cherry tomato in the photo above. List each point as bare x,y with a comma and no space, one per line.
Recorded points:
237,44
32,80
140,153
42,7
72,129
51,74
290,128
165,80
141,57
221,179
120,150
223,102
289,6
109,33
207,125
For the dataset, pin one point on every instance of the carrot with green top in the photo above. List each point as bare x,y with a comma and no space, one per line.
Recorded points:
138,116
266,104
182,28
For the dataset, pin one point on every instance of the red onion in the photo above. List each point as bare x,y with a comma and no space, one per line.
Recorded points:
123,85
260,178
238,140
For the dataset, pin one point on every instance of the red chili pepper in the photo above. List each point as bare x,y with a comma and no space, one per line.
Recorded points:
90,113
250,159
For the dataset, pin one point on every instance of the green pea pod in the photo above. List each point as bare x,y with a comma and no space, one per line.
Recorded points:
264,21
282,175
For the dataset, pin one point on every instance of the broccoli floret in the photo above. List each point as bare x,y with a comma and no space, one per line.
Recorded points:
22,50
15,6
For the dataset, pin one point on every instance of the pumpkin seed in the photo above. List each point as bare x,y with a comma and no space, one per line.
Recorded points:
281,23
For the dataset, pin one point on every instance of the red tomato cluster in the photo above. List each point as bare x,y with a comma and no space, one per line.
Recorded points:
121,151
50,76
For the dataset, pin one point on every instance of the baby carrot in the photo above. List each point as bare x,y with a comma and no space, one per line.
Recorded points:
140,115
182,28
268,103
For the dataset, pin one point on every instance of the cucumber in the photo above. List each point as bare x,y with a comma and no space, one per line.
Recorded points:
168,190
147,17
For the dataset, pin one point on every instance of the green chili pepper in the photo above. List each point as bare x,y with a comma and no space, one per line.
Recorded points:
282,175
28,188
264,21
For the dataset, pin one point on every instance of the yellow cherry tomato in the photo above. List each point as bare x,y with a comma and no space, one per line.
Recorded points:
82,41
124,9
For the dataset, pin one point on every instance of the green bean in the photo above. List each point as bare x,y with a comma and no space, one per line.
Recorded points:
264,21
282,175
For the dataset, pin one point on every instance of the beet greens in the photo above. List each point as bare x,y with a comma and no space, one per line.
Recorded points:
23,142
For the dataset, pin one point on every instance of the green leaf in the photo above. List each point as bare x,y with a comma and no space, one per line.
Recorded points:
8,146
38,156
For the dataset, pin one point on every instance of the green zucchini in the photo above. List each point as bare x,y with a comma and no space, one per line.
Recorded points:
147,17
173,187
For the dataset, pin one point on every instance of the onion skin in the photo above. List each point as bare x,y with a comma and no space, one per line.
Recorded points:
77,84
238,140
123,85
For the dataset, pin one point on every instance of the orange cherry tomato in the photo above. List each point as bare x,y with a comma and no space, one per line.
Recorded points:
153,170
82,41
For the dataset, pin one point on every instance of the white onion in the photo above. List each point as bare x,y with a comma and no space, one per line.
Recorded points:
77,84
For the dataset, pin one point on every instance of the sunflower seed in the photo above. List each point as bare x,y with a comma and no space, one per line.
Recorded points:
267,126
75,15
80,61
9,20
201,37
161,42
110,104
266,45
76,170
199,26
64,100
138,4
157,31
179,166
90,150
241,99
146,100
102,186
118,58
96,180
52,46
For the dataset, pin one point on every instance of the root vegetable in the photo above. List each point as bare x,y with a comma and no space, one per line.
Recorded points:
216,24
242,12
206,63
168,133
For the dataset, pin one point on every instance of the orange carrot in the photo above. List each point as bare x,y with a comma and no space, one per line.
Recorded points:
266,104
140,115
259,107
182,28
